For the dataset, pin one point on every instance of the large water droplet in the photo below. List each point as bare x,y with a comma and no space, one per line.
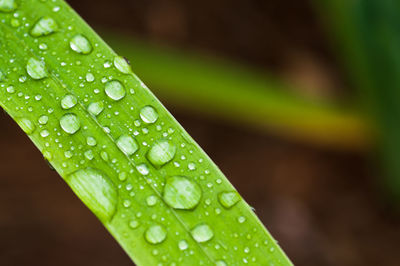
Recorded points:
80,44
70,123
161,152
8,5
115,90
36,69
148,114
122,65
228,199
96,108
127,144
202,233
43,27
27,125
182,193
155,234
96,190
68,101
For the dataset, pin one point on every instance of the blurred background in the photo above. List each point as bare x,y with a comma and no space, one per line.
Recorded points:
295,100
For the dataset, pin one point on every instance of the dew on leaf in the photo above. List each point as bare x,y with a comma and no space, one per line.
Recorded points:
228,199
36,69
8,5
91,141
142,169
115,90
89,155
220,263
183,245
134,224
70,123
148,114
89,77
44,26
182,193
80,44
122,65
68,101
127,144
96,190
202,233
155,234
43,119
161,152
96,108
151,200
26,125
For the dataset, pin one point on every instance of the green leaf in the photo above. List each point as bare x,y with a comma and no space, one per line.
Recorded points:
119,149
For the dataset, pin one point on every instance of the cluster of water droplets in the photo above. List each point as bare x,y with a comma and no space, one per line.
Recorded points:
153,159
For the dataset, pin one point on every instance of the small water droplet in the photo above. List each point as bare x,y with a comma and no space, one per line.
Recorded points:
220,263
43,119
44,26
161,152
115,90
182,193
91,141
96,108
10,89
155,234
127,144
148,114
192,166
8,5
134,224
202,233
89,155
228,199
151,200
70,123
27,126
183,245
89,77
143,169
68,101
44,133
241,219
122,65
96,190
36,69
80,44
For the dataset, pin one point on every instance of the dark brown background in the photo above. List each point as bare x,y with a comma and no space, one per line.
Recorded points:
323,206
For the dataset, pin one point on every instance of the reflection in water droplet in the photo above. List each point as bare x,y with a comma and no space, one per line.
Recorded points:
228,199
44,26
43,119
127,144
182,193
80,44
96,108
68,101
202,233
148,114
161,152
36,69
89,77
122,65
151,200
8,5
96,190
115,90
70,123
27,126
155,234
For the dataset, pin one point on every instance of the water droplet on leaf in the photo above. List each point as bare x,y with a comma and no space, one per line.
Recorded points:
127,144
68,101
183,245
151,200
70,123
8,5
182,193
96,108
228,199
27,126
80,44
36,69
96,190
202,233
115,90
122,65
161,152
43,27
155,234
148,114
